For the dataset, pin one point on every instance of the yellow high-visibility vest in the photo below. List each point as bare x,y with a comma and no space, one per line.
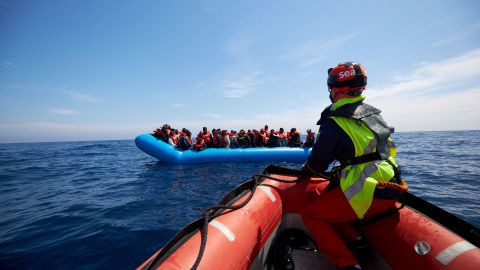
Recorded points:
358,181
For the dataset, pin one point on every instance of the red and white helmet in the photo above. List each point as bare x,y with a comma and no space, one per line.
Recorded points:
348,78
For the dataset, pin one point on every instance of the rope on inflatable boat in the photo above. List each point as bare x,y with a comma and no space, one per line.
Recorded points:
256,178
402,188
206,212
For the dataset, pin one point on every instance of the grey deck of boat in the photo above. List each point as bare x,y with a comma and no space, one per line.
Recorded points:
311,260
303,259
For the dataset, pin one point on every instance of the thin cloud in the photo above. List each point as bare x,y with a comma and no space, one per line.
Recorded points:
452,111
83,97
443,94
438,23
239,46
5,64
208,7
240,87
451,74
212,115
177,105
459,35
62,111
312,52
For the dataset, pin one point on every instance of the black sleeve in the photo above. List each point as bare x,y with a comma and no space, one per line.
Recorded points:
332,143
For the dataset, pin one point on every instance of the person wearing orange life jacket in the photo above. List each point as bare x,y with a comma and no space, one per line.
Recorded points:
225,139
233,139
184,141
171,139
283,137
157,133
162,133
274,139
310,139
267,131
199,144
295,140
189,135
175,137
243,139
355,134
165,131
217,137
207,137
214,139
262,138
253,137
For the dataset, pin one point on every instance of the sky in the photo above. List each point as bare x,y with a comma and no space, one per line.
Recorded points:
115,69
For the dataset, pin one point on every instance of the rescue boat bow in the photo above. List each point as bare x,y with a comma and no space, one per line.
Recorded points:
418,236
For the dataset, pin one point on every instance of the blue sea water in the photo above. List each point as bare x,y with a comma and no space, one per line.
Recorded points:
106,204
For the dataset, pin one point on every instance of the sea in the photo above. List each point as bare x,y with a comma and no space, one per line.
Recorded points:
107,204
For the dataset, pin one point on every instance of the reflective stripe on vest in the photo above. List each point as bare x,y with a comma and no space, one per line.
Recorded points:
199,144
357,186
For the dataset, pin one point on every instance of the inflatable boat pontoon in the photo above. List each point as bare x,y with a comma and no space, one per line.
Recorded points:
170,154
418,236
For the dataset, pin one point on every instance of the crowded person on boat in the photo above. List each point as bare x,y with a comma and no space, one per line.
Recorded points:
219,138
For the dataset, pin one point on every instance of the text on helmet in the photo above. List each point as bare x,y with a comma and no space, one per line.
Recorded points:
347,73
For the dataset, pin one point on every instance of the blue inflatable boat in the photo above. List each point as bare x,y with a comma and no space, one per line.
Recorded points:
169,154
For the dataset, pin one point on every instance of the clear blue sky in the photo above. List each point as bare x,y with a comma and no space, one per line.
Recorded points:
101,70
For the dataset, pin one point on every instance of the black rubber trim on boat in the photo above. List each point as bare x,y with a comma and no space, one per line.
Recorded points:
444,218
177,241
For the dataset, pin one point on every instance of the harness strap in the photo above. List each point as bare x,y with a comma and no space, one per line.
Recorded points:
376,156
361,159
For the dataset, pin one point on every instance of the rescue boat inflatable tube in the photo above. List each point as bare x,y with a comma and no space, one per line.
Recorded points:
169,154
417,236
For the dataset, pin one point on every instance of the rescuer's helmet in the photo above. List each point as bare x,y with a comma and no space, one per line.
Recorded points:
348,78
